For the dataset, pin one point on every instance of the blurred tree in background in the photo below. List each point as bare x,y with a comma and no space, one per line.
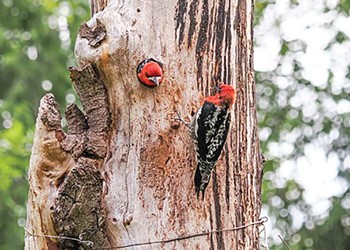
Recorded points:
303,85
36,47
302,61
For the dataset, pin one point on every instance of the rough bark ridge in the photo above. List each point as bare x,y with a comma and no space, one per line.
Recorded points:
79,211
70,166
143,158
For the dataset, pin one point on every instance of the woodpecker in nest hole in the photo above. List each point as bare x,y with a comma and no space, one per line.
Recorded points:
150,72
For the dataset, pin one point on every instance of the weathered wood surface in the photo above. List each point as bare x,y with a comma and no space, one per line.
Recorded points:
148,162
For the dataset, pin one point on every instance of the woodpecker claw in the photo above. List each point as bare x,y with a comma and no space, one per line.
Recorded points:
179,118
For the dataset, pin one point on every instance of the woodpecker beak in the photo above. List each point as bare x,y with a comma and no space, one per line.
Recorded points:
155,79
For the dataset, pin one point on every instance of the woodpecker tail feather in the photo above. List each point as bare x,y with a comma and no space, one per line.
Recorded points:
198,183
202,176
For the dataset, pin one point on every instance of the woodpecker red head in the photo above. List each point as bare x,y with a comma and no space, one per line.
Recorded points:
150,72
225,96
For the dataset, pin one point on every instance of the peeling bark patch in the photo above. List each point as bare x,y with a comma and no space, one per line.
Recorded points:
76,121
77,211
97,122
75,141
86,81
180,20
74,144
217,208
51,118
96,145
94,35
201,43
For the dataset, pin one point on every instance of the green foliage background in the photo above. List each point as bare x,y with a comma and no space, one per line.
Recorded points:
295,112
36,48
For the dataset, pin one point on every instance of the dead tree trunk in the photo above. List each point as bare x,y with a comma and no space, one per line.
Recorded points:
123,174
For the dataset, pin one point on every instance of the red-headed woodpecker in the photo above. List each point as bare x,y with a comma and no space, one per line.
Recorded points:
150,72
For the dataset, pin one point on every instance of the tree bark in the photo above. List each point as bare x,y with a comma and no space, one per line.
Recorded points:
124,172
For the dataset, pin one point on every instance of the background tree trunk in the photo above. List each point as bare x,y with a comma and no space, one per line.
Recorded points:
124,172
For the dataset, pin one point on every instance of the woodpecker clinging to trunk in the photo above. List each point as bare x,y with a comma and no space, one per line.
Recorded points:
150,72
209,130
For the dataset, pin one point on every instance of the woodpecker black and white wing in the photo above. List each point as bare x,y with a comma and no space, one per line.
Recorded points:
211,125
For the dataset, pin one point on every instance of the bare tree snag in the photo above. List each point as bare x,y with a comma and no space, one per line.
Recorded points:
123,175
